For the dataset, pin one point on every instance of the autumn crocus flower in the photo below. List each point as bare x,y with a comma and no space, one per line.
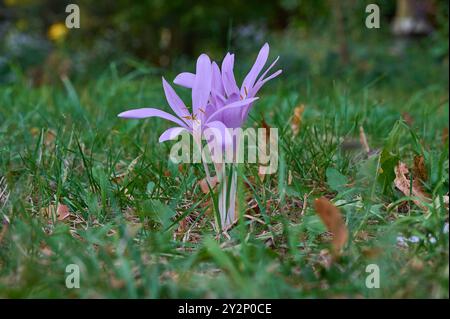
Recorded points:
225,91
203,115
218,104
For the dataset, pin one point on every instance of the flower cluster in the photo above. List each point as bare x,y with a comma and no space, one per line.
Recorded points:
218,104
217,101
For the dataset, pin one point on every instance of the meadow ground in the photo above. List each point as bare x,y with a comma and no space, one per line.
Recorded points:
138,225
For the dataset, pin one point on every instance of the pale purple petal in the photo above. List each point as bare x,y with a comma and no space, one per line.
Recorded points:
228,80
185,79
219,98
174,100
222,134
261,60
202,84
268,69
171,133
260,83
231,107
217,85
151,112
232,117
273,75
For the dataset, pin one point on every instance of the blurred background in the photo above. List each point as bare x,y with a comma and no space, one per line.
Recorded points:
313,37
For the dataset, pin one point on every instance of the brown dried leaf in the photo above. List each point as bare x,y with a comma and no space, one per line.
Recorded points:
445,135
408,118
371,252
46,250
204,184
419,169
297,119
53,212
49,135
266,128
62,212
332,218
402,182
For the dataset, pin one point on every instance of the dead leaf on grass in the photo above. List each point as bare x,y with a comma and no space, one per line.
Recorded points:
59,212
204,184
297,119
420,169
332,218
403,183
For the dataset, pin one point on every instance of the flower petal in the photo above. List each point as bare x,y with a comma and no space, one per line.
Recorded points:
228,80
260,83
185,79
217,85
202,84
268,69
171,133
174,100
151,112
261,60
230,107
221,132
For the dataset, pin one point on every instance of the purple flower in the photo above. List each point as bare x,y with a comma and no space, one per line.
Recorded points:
225,91
204,114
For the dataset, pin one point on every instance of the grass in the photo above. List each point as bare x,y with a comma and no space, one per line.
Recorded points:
62,143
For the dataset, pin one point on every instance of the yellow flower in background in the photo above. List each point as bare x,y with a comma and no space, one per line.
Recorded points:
14,3
11,3
57,31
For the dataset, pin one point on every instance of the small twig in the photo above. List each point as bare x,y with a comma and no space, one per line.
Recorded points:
363,140
255,219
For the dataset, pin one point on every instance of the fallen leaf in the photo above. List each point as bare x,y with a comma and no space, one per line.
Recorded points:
297,119
46,250
62,212
116,283
371,252
416,264
204,184
362,235
266,128
402,182
53,212
48,135
420,170
332,218
408,118
445,135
